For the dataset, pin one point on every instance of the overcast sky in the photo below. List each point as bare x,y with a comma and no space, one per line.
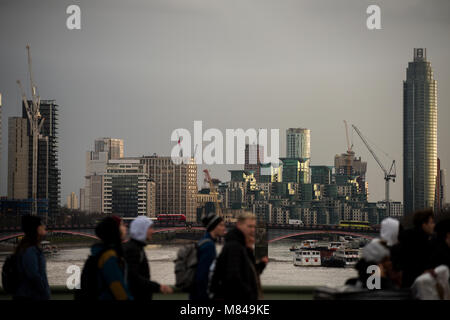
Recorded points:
139,69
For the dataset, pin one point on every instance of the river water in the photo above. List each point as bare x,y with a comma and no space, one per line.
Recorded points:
279,271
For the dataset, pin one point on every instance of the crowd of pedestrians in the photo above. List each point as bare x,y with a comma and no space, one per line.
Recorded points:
417,259
118,269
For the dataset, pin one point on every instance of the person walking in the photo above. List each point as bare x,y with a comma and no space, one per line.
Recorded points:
441,253
235,276
111,265
416,247
33,282
206,254
141,287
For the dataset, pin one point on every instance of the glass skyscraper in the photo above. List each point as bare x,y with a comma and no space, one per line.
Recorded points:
298,145
419,134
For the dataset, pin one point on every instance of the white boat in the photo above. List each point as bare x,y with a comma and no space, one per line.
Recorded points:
307,258
47,248
335,245
348,255
309,244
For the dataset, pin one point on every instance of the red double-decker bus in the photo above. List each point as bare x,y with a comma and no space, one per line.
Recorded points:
171,218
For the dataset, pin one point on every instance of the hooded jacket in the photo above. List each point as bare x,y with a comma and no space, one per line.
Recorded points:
141,287
236,275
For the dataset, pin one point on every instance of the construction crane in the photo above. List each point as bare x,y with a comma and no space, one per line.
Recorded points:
349,147
36,121
388,175
213,192
350,153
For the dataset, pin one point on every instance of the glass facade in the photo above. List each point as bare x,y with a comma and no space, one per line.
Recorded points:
419,134
124,195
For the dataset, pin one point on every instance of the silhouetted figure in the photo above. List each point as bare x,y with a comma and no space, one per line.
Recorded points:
33,283
416,247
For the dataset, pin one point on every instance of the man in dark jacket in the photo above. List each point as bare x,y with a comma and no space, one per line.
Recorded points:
441,253
206,254
416,247
141,287
236,276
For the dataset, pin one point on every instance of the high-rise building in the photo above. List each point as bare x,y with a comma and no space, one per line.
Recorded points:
176,185
346,164
48,173
114,147
96,163
419,134
440,188
18,158
298,145
72,201
254,156
125,188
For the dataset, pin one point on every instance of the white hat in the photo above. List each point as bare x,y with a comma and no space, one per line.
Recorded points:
139,227
389,231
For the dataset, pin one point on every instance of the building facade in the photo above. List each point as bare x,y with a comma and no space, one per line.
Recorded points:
72,201
113,147
105,149
48,173
17,158
125,188
254,156
419,134
176,185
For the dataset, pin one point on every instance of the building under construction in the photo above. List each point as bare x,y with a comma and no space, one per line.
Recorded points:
48,173
33,173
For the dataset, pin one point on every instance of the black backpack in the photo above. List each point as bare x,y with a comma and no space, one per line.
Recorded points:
91,282
11,274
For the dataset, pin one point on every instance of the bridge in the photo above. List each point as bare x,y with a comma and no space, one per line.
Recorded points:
275,232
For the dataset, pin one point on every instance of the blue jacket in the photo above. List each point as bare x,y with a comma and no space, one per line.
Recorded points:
206,254
112,274
33,282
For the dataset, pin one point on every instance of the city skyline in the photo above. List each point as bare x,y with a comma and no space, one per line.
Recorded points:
192,75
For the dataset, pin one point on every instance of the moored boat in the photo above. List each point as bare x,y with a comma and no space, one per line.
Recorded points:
307,258
348,255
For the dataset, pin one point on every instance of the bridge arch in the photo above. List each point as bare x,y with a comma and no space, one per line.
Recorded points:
177,228
75,233
303,233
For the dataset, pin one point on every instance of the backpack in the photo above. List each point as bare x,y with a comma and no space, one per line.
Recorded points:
90,282
11,274
186,265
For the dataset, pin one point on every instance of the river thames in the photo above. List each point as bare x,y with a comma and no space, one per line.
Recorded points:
279,271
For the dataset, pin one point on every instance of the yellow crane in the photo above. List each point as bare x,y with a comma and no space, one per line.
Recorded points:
213,192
